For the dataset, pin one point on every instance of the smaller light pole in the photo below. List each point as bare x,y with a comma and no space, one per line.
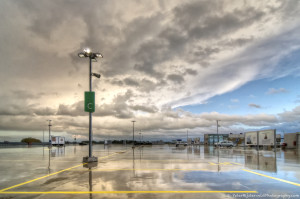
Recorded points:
140,137
49,131
187,136
133,132
218,129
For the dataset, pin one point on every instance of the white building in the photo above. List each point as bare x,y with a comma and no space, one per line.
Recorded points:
292,140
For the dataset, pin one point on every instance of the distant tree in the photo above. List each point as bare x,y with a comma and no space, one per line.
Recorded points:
30,140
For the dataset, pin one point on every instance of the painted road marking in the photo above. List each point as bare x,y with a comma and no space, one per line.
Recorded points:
120,152
121,192
142,170
2,191
224,163
286,181
40,178
236,163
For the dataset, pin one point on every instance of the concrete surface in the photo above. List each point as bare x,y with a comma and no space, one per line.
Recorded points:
148,172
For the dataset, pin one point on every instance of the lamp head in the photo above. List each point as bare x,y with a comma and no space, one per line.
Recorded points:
96,75
87,50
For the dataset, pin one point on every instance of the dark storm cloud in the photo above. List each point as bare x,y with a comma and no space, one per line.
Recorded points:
143,85
191,71
176,78
116,81
18,102
216,25
145,108
131,82
13,109
237,42
192,22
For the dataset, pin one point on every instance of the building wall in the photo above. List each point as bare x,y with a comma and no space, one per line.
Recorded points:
210,141
291,140
236,135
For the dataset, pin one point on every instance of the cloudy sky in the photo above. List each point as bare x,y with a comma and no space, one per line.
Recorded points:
172,66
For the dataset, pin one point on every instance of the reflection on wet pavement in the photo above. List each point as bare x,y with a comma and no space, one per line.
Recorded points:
161,171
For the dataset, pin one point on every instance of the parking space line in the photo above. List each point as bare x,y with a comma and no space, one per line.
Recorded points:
115,153
17,185
225,163
40,178
143,170
121,192
236,163
286,181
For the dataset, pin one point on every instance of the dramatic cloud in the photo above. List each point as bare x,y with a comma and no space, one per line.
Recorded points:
157,57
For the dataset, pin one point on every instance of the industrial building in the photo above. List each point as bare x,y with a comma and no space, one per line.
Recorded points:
292,140
211,139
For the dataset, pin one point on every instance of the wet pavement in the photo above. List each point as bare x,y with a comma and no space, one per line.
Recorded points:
161,171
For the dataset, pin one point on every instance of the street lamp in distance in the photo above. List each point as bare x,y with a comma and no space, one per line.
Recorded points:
49,132
133,133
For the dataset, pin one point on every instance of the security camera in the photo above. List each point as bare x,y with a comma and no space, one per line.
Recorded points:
96,75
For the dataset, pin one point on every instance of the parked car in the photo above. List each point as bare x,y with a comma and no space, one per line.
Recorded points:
179,143
225,144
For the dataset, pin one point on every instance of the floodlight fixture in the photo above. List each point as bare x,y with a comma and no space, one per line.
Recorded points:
96,75
81,55
87,50
99,55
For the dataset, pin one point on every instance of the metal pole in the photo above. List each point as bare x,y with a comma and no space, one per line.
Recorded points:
257,140
90,182
49,132
133,132
275,143
90,113
218,129
187,136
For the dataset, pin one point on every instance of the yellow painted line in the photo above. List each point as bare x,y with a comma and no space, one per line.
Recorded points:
221,163
120,152
40,178
1,191
236,163
286,181
143,170
121,192
211,163
224,163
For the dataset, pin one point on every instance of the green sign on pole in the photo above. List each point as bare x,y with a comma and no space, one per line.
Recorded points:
89,102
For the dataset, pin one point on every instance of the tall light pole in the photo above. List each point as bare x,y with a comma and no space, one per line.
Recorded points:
90,98
218,129
187,136
49,131
140,137
133,132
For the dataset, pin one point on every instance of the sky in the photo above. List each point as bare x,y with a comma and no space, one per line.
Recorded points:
172,66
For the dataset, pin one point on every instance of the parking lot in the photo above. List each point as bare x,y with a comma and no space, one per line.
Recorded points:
162,171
